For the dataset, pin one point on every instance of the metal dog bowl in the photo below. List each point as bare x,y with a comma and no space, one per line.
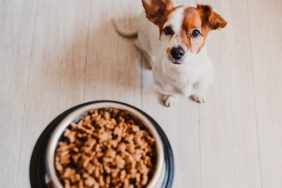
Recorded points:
42,168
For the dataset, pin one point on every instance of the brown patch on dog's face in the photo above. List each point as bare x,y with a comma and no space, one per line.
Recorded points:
192,33
197,23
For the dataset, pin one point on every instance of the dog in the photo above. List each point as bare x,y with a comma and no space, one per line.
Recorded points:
172,40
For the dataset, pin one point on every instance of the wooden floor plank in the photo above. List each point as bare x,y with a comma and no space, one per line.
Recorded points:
16,33
265,34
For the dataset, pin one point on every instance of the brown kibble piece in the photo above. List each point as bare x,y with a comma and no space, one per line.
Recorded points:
113,143
144,180
110,153
121,147
107,169
135,128
69,172
131,148
96,172
89,181
70,135
104,137
141,167
119,162
122,175
107,115
117,131
101,181
114,172
67,184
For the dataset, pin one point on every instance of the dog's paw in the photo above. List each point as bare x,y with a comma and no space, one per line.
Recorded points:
170,100
198,99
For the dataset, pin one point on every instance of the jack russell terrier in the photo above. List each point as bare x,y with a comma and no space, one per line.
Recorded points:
174,46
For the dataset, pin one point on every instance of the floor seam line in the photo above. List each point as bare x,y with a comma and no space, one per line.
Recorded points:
86,53
26,90
255,101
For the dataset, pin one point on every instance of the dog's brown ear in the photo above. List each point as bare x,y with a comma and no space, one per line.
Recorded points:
157,10
209,17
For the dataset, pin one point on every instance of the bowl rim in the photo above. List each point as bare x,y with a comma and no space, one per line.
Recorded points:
76,114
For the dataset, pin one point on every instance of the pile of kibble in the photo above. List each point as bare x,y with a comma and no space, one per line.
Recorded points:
106,148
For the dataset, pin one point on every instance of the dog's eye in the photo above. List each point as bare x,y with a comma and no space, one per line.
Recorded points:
195,33
168,31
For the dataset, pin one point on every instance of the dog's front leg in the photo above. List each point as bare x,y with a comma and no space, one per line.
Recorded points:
170,100
199,92
199,96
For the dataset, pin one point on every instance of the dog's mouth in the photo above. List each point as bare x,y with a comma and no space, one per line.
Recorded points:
176,62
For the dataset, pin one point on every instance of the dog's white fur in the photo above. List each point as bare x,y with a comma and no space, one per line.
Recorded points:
191,78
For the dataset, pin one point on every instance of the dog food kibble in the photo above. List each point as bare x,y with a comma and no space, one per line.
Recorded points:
106,148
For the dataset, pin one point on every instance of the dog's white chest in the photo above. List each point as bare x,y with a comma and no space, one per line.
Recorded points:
181,79
169,80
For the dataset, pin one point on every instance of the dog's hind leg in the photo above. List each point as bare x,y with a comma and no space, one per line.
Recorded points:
145,54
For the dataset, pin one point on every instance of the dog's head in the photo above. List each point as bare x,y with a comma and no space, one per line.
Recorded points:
183,30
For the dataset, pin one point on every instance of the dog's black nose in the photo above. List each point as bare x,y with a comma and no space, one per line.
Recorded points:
177,53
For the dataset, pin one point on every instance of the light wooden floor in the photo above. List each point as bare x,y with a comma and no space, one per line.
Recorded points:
56,54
